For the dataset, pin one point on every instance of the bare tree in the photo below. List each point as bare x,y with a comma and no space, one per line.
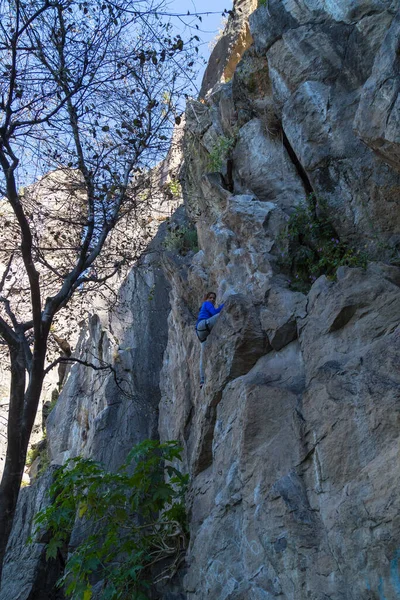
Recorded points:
88,93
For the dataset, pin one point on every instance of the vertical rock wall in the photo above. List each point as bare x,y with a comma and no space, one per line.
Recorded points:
293,444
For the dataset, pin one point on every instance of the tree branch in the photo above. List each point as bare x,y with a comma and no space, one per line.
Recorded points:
8,334
85,363
6,272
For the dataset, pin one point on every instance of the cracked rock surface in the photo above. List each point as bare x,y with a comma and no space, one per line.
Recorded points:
292,445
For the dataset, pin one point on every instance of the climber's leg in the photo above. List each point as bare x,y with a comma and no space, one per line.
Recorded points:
211,321
201,364
203,329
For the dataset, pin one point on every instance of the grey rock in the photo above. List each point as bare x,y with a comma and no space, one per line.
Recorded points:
377,121
263,167
310,135
268,23
252,91
279,316
93,405
306,53
277,453
227,550
27,574
318,71
356,10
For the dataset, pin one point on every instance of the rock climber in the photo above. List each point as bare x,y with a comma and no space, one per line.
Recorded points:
208,315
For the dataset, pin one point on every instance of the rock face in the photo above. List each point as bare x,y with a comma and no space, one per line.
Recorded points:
27,574
99,416
230,46
377,118
326,64
292,445
296,497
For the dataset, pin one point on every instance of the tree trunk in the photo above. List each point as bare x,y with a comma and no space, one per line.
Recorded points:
15,459
22,412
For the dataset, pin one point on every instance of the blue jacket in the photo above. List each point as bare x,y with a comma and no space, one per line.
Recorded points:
208,310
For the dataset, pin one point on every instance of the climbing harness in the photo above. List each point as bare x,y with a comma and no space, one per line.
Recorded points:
207,328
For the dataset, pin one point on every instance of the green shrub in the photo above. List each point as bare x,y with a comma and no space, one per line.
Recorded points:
136,516
32,455
220,152
310,246
175,188
262,3
183,239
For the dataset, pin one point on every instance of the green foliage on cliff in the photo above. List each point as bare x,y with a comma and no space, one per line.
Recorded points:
175,188
131,521
310,247
182,239
220,152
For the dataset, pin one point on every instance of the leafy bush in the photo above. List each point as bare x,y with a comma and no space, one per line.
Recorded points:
175,188
220,152
182,239
32,455
136,518
310,247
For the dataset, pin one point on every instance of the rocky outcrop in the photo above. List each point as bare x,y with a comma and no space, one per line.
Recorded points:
230,46
378,115
293,455
103,413
100,413
291,445
323,63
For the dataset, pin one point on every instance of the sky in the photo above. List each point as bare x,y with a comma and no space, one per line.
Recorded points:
210,25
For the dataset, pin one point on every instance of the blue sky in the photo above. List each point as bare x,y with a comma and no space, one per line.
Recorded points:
210,25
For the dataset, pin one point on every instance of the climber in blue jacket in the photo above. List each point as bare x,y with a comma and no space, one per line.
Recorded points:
208,315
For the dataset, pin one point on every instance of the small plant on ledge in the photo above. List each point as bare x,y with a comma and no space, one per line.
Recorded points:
175,188
310,247
220,152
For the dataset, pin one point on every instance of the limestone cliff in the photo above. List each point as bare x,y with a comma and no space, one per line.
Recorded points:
292,446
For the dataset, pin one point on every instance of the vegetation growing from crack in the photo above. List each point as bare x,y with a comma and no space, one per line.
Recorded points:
220,152
39,451
32,455
182,239
134,519
310,246
175,188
